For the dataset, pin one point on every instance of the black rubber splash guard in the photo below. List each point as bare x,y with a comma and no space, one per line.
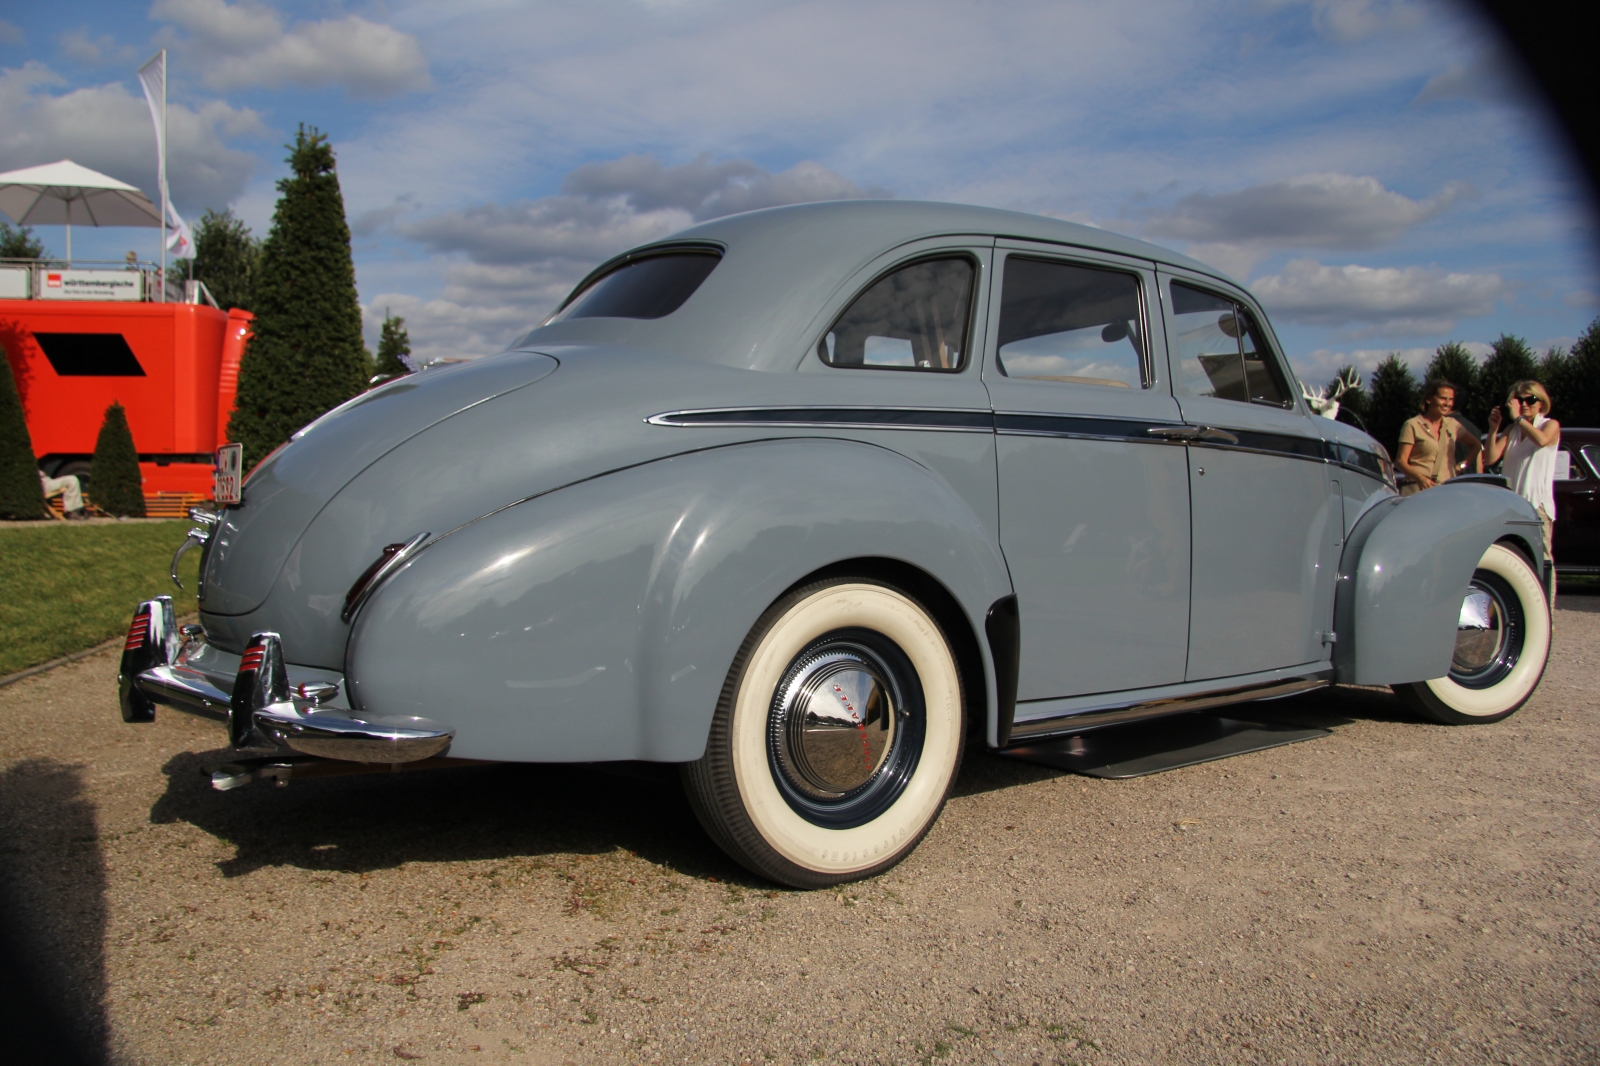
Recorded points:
1149,747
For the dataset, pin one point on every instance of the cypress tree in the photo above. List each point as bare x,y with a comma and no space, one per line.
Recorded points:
19,243
226,255
1580,401
20,494
393,347
307,355
114,470
1555,371
1510,361
1394,399
1354,403
1453,363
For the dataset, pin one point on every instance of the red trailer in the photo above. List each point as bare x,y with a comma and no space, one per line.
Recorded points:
174,367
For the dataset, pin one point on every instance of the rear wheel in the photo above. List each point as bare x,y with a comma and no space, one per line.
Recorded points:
1502,645
836,738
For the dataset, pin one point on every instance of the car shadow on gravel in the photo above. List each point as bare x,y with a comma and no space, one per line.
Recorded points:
52,917
371,822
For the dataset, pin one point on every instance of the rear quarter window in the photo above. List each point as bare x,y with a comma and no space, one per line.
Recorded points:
649,287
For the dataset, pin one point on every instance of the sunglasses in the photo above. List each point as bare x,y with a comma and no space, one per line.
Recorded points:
1528,399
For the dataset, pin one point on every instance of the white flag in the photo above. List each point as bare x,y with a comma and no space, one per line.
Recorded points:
153,76
180,242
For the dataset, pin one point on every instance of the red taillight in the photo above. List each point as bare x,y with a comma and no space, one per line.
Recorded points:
138,631
252,658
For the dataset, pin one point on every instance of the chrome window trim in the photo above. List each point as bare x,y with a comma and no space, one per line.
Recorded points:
1147,370
967,358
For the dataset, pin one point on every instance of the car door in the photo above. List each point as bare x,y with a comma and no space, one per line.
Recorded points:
1094,507
1577,491
1266,519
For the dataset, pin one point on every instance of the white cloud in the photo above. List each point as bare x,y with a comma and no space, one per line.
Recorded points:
1318,368
1400,300
1235,230
79,47
246,44
526,256
1349,21
10,34
107,128
710,190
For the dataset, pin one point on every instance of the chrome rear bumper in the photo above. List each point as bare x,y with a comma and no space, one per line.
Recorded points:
259,705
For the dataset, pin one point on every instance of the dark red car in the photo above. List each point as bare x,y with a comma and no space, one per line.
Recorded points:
1577,533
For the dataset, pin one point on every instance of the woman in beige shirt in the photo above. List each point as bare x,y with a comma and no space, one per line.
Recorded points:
1428,441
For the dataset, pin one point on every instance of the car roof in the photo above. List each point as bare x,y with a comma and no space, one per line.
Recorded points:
781,265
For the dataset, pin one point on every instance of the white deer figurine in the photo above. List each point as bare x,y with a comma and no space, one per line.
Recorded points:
1326,402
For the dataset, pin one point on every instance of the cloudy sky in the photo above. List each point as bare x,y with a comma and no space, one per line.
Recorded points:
1372,169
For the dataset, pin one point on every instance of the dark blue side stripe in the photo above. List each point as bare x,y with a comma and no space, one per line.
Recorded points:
1020,424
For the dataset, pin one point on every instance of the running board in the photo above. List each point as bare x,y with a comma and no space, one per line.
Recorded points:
1137,749
1035,729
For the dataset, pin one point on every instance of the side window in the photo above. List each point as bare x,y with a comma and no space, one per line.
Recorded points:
1221,351
1077,324
915,318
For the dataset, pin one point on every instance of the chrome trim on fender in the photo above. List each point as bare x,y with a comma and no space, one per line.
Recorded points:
1160,707
386,566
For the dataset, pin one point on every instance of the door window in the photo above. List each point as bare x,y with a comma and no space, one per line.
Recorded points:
1069,323
1222,352
916,318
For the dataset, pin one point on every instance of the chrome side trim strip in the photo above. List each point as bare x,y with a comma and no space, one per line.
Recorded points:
1161,706
945,419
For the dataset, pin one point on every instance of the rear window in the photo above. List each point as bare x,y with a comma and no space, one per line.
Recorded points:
652,287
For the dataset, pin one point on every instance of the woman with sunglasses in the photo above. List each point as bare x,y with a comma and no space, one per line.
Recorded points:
1529,447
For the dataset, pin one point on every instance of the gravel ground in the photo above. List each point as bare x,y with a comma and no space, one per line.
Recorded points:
1395,892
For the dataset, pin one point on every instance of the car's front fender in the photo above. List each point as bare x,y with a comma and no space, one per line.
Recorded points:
1405,569
599,621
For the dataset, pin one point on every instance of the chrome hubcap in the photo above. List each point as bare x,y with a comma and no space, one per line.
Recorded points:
838,723
1480,632
845,728
1489,632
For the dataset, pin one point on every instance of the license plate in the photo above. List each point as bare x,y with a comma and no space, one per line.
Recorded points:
225,488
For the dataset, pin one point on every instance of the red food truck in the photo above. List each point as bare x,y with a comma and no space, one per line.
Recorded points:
79,340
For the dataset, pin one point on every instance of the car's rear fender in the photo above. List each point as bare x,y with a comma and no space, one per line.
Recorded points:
1405,569
599,621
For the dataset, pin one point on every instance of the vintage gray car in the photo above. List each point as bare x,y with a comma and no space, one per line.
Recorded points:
806,499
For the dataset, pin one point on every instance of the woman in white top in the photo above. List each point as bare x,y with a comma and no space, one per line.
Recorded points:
1529,446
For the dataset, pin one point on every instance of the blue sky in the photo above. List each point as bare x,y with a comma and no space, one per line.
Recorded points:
1371,168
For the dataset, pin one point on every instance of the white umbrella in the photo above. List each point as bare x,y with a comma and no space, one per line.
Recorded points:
66,194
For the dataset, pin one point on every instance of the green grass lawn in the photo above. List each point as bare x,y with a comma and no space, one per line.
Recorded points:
68,586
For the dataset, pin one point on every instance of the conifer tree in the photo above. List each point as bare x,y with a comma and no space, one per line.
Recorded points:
1354,404
1453,363
1394,399
1579,404
1510,361
114,471
19,243
20,494
307,355
393,347
226,255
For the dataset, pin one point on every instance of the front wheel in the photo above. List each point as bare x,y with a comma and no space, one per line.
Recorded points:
1502,645
836,738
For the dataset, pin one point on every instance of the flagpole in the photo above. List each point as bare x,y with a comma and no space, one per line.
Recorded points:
162,167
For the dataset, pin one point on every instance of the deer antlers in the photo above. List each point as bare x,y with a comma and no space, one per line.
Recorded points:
1326,402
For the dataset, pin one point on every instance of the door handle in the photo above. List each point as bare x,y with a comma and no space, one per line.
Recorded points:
1210,433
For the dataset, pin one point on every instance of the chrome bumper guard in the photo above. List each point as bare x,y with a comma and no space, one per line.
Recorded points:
261,709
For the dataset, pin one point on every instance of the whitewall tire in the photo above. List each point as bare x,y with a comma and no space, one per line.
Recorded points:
1502,645
837,736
